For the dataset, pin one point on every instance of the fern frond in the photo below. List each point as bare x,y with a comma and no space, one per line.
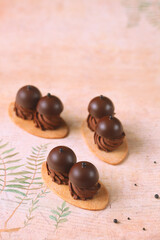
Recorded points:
60,215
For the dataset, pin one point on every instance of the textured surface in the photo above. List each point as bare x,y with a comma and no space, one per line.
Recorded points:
78,50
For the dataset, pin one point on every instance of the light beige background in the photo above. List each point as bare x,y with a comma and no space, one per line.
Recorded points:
77,50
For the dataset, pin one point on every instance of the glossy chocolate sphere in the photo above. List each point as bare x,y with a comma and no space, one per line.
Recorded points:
101,106
109,127
28,97
83,175
61,159
49,105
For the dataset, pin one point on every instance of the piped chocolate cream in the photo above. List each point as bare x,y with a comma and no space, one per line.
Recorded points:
47,116
99,107
59,162
83,180
109,133
26,101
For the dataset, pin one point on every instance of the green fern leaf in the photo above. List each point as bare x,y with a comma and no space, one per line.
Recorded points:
14,167
39,164
63,204
19,173
34,149
60,209
15,186
34,203
2,146
53,218
12,161
65,214
32,189
66,209
63,220
30,168
14,191
56,212
37,178
20,180
9,156
32,164
38,183
7,151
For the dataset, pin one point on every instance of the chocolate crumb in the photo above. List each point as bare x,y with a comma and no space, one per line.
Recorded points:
128,218
115,221
48,95
155,162
135,184
156,196
144,229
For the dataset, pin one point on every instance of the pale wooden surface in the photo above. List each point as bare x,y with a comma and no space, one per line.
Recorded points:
77,50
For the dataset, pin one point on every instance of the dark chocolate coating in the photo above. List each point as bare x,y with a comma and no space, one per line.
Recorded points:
28,97
49,105
84,174
109,127
61,159
100,106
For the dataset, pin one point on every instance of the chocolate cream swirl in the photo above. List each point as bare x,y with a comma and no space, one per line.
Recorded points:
107,144
27,114
92,122
59,178
44,123
83,193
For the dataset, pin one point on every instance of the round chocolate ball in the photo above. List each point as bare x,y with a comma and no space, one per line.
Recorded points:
100,106
109,127
28,97
61,159
50,105
83,174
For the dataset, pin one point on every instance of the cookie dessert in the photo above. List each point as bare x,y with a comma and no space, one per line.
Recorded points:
100,194
37,115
